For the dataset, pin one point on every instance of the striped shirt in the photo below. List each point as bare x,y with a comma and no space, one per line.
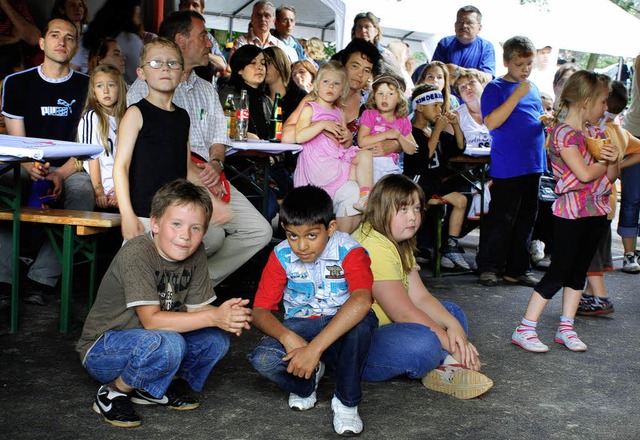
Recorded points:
577,199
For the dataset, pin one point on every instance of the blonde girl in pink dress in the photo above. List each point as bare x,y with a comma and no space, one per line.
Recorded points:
328,159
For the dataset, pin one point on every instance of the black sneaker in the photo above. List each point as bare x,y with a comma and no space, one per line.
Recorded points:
37,293
171,400
115,408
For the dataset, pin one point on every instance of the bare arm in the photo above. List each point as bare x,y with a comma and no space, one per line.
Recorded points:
366,139
452,118
420,307
289,127
630,160
127,134
497,117
408,143
267,323
23,29
307,130
587,173
232,316
96,182
303,360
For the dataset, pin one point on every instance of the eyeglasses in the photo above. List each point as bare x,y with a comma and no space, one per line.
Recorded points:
467,22
468,85
157,64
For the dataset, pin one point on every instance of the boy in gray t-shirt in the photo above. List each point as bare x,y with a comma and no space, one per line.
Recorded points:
159,281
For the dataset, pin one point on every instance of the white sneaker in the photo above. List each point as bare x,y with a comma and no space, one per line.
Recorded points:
536,250
528,339
298,403
570,340
346,420
457,259
457,381
630,263
446,263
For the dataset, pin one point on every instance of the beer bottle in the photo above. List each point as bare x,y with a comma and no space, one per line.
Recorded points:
276,120
230,115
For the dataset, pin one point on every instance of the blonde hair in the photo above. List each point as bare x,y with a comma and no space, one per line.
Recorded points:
92,103
162,42
387,197
447,81
335,67
468,74
402,109
581,87
315,49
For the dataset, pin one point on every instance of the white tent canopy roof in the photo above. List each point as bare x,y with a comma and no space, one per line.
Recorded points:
580,25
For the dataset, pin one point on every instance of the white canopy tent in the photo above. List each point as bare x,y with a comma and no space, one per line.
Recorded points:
596,26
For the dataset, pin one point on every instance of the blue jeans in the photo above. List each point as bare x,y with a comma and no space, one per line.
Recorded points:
629,202
346,357
149,359
409,349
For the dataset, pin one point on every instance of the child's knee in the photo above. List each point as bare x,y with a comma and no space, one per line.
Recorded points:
363,156
266,358
163,347
456,199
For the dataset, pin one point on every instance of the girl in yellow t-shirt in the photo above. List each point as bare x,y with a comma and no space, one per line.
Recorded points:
419,336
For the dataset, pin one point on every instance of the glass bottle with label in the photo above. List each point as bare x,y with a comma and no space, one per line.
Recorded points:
230,115
242,118
276,120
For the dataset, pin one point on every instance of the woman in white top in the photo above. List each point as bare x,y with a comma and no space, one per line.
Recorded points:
469,85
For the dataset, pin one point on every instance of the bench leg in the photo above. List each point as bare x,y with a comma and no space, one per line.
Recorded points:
93,257
67,277
437,254
15,252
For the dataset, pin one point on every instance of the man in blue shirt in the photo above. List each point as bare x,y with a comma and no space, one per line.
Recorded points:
285,24
465,49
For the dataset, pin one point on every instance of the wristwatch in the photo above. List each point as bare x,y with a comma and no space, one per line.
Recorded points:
219,161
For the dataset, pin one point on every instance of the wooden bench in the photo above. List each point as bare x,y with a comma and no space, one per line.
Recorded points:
77,231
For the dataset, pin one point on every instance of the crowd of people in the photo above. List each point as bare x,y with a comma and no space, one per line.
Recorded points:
377,134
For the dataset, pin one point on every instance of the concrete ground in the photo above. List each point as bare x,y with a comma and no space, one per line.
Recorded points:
45,393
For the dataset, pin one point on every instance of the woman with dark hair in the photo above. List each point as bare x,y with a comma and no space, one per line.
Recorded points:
116,19
248,71
77,12
359,59
107,52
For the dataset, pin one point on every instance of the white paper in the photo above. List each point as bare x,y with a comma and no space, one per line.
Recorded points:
262,146
18,148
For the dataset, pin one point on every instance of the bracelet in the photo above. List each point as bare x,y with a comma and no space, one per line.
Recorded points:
219,161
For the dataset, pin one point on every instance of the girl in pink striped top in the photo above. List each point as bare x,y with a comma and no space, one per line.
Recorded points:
584,184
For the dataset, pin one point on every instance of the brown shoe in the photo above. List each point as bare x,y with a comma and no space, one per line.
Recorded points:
488,279
525,280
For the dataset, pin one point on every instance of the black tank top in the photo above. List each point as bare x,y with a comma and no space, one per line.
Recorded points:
160,153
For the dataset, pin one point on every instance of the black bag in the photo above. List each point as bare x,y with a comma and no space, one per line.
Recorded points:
547,189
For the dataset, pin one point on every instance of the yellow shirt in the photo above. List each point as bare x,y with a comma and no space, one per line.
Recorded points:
385,263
